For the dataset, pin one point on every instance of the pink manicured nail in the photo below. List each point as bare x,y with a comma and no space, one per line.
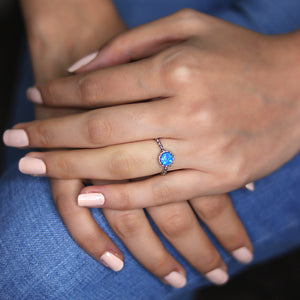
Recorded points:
217,276
91,199
250,186
15,138
243,255
32,166
111,261
175,279
82,62
34,95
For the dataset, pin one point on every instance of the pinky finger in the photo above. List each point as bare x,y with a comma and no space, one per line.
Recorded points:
82,226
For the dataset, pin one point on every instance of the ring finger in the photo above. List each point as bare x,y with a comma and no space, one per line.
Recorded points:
124,161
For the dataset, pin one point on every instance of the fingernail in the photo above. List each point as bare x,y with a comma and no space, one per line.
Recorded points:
111,261
82,62
34,95
217,276
175,279
243,255
91,199
250,186
32,166
15,138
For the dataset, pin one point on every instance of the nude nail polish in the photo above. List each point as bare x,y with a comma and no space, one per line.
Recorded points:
82,62
15,138
175,279
217,276
91,199
34,95
32,166
111,261
250,186
243,255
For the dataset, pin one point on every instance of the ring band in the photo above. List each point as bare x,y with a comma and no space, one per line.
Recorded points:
165,158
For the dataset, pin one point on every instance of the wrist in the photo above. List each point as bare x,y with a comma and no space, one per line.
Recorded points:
61,32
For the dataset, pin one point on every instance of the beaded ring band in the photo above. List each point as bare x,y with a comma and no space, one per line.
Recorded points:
165,158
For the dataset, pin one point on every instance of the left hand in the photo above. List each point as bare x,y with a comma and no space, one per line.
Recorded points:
216,103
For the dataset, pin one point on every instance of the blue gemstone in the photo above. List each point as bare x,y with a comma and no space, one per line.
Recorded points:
166,158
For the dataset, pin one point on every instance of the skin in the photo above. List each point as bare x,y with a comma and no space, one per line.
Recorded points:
215,129
176,220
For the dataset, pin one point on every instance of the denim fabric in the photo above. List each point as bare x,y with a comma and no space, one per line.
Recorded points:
265,16
39,260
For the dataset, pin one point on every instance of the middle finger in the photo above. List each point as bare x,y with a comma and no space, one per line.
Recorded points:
179,225
96,128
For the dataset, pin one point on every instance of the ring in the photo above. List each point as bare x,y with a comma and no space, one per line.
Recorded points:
165,158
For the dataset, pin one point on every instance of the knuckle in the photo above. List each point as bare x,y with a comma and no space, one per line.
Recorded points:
176,222
121,165
211,207
235,238
59,202
189,20
180,67
210,260
64,205
83,239
63,166
41,134
99,129
89,89
88,240
158,261
235,172
117,45
123,202
187,13
127,224
48,91
161,193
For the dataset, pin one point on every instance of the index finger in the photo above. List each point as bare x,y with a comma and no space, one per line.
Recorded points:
126,83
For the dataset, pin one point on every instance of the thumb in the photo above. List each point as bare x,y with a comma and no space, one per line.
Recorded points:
138,43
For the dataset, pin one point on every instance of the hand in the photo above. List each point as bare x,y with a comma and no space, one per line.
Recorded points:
181,213
215,104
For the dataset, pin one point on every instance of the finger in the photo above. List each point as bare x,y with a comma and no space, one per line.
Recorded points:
133,228
158,190
118,162
143,41
93,129
218,213
179,225
82,226
126,83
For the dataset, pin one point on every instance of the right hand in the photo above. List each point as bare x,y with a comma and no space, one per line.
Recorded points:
176,221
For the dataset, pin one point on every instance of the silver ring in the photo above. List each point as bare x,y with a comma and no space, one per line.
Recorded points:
165,158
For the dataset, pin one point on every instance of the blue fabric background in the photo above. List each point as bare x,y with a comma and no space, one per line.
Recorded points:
39,260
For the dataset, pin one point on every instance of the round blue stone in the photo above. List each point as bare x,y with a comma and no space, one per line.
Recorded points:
166,158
